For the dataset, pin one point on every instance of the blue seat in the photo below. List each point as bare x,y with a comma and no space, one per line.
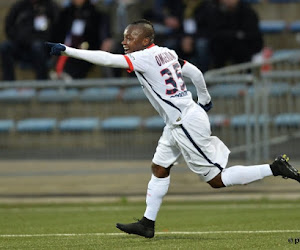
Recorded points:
295,90
279,89
134,94
36,125
295,26
154,123
121,123
17,95
6,125
239,121
57,95
287,120
99,94
227,90
272,26
284,52
218,120
79,124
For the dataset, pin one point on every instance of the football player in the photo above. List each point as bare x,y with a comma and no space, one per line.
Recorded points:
187,131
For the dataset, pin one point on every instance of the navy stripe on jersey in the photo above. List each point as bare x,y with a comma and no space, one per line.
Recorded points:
199,149
166,101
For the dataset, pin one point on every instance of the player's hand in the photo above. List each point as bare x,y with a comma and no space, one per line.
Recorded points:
55,48
207,106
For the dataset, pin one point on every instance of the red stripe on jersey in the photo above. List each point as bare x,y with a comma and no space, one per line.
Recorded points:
150,46
129,64
184,62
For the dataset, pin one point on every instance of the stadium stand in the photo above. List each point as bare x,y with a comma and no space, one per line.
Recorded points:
295,26
272,26
154,123
36,125
99,94
79,124
17,95
57,95
6,126
129,123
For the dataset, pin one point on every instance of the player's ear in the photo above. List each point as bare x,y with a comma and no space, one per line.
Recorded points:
146,41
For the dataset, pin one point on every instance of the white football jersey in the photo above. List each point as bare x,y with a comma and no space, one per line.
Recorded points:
160,75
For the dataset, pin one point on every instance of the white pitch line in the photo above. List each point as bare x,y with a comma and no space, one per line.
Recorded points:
157,233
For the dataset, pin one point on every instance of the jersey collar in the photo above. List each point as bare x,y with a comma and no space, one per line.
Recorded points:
150,46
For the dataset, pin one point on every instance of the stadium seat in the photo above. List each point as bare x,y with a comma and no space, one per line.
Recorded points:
17,95
284,52
57,95
154,123
218,120
279,89
79,124
242,120
295,26
228,90
272,26
121,123
6,125
135,93
287,120
99,94
295,90
36,125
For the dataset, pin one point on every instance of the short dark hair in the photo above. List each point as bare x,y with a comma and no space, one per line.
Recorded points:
148,28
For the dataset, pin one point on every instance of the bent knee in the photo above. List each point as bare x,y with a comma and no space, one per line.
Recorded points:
216,182
159,171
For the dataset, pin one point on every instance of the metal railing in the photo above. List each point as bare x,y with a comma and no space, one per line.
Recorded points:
252,141
259,76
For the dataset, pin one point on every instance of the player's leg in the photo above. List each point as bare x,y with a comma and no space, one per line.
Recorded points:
165,156
7,51
157,189
39,59
239,175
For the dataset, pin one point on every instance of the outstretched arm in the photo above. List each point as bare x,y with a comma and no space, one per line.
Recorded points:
191,71
93,56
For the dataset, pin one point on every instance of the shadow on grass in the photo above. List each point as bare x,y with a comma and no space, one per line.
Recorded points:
169,237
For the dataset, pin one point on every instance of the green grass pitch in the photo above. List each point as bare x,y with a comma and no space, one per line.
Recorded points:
181,225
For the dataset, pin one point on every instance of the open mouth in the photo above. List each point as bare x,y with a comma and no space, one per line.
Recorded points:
125,50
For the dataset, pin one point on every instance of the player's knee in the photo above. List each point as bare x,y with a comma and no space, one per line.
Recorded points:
159,171
216,182
215,185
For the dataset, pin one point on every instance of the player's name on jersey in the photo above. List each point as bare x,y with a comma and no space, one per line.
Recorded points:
180,94
164,57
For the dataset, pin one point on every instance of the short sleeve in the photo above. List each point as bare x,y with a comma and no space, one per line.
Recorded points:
137,61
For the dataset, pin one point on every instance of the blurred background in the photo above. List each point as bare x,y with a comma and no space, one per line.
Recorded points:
70,130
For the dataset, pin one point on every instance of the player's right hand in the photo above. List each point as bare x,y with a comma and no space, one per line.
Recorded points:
55,48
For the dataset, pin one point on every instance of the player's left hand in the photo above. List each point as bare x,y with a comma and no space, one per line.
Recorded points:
55,48
207,106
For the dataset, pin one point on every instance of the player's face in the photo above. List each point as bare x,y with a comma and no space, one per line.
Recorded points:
134,39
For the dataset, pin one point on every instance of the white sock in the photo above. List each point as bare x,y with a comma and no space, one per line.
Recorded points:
157,189
240,175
